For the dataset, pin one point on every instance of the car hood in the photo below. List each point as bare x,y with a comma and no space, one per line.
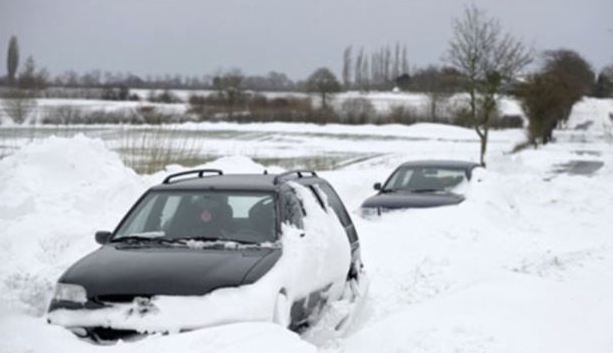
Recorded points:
412,200
120,271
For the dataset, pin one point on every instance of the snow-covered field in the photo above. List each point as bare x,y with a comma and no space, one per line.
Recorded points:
524,265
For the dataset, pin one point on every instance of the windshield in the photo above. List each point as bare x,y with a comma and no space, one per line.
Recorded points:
244,217
428,179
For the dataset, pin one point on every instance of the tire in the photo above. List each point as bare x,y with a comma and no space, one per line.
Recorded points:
282,310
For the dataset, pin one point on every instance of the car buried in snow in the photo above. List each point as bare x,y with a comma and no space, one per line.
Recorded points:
421,184
204,249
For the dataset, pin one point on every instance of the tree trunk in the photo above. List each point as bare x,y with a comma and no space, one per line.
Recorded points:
483,147
433,108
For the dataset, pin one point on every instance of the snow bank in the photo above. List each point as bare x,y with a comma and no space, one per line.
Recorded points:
51,200
235,338
592,114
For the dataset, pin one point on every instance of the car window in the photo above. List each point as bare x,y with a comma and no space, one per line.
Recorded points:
427,179
214,215
400,178
140,224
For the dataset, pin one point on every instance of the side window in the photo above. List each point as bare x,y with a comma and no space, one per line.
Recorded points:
335,202
242,205
292,208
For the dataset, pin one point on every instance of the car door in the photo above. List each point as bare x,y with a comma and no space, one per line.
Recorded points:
292,213
335,203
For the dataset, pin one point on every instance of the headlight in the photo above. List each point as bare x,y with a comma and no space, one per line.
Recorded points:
70,293
367,212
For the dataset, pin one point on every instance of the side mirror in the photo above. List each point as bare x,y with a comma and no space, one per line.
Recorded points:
103,237
377,186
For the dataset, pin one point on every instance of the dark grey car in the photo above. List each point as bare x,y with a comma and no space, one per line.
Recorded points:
235,222
421,184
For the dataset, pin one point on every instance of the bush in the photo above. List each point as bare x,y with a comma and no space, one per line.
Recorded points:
19,105
544,104
401,115
358,111
165,96
509,122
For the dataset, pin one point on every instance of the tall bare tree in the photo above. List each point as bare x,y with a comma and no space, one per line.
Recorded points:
358,78
347,67
396,66
405,61
12,59
487,57
365,76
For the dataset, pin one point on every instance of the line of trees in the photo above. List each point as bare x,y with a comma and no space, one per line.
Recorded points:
377,70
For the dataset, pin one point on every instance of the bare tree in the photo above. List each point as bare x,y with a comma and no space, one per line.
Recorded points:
324,82
366,79
405,61
438,84
12,59
487,57
230,88
358,69
387,61
347,67
396,66
30,78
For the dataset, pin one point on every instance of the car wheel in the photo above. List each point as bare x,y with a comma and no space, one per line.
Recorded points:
282,310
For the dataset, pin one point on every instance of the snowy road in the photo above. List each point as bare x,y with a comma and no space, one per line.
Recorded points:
524,265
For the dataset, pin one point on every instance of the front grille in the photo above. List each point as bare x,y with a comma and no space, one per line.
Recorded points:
119,298
103,335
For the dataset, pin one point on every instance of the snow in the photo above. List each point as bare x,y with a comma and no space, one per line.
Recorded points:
51,193
523,265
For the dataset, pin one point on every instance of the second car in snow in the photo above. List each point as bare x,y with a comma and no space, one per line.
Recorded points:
421,184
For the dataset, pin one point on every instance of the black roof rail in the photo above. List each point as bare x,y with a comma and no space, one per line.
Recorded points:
200,173
298,173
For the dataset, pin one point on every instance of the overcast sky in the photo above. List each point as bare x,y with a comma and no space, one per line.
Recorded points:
197,37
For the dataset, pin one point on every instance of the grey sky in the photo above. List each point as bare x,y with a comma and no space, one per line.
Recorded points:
293,36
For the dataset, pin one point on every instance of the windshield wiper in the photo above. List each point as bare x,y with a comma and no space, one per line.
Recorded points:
417,191
138,239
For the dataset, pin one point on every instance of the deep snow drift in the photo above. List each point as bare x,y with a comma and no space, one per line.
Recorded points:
524,265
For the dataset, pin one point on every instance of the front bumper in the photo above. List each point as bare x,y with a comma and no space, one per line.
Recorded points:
162,314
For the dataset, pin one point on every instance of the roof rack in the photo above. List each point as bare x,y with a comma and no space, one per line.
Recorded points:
298,173
200,173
